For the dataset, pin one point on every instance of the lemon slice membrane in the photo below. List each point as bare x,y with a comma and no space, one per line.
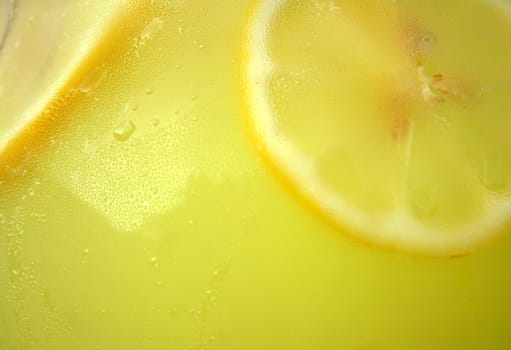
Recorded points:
390,117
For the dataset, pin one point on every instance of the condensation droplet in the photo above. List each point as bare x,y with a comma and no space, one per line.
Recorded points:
149,31
155,262
92,80
124,130
155,122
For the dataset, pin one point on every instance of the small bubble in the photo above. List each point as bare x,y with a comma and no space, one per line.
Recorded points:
178,66
155,122
149,91
195,98
159,283
124,130
201,46
155,262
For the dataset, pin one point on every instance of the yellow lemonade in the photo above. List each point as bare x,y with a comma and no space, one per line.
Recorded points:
140,208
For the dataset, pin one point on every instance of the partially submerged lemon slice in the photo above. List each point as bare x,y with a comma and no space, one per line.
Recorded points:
391,117
42,45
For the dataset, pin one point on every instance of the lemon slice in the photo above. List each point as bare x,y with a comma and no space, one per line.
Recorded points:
390,117
42,44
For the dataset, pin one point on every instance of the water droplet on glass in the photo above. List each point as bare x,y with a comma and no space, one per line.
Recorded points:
92,80
155,262
151,29
155,122
124,130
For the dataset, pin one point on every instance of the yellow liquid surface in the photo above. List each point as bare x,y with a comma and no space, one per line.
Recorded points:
142,217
